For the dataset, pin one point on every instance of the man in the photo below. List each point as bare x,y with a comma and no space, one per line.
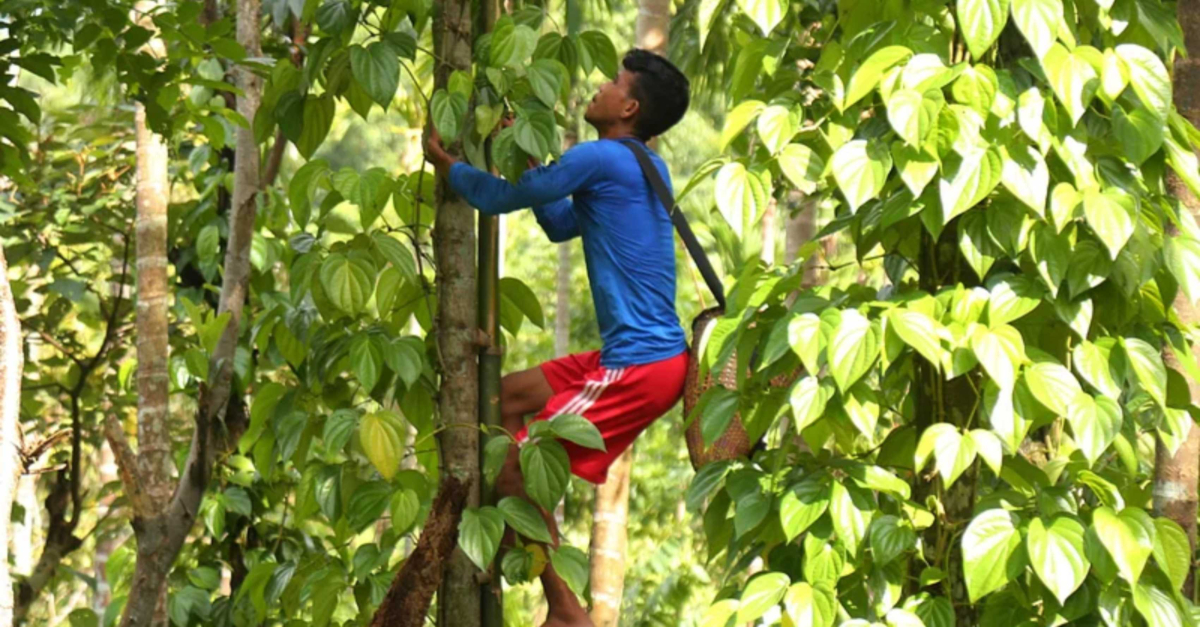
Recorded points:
598,191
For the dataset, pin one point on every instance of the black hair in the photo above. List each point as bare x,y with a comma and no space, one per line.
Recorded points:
660,89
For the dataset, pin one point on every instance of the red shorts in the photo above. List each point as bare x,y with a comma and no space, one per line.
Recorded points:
621,402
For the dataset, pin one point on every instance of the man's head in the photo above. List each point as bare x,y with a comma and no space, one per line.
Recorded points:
649,96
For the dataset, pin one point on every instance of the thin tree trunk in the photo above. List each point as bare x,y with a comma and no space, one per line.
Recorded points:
459,597
12,363
562,301
162,526
610,510
770,228
1175,476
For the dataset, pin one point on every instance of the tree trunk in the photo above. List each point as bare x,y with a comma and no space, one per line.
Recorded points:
161,525
607,554
611,506
770,227
12,364
459,598
1175,476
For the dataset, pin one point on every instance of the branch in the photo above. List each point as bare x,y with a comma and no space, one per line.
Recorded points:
50,339
126,464
274,160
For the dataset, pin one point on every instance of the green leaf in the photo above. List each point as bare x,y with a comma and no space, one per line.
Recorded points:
706,16
1127,536
952,452
366,360
802,166
1147,367
524,518
368,503
912,115
976,88
335,16
860,169
981,22
891,537
1056,554
339,426
1158,607
850,508
1039,21
495,452
377,69
761,594
300,188
917,166
1053,386
1094,365
919,331
1182,255
989,548
512,45
381,435
808,399
1095,423
348,281
1111,215
977,173
317,117
868,75
718,414
767,14
738,119
327,489
1185,163
1090,266
597,50
406,508
1149,78
1072,78
777,125
546,469
1139,133
808,606
862,408
545,77
806,340
518,293
1025,175
996,356
536,133
1171,550
577,429
1012,297
1064,199
741,196
572,565
448,111
262,410
802,505
853,350
479,534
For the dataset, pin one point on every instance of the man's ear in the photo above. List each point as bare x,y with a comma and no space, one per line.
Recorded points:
632,108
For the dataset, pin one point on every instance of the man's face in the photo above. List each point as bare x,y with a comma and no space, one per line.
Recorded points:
613,102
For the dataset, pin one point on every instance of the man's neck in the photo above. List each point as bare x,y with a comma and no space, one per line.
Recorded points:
618,131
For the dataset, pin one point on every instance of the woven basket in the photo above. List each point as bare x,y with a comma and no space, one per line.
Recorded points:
735,442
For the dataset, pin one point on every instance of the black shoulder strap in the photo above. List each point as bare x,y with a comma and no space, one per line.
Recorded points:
680,221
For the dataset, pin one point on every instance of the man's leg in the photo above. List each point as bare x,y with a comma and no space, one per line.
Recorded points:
523,393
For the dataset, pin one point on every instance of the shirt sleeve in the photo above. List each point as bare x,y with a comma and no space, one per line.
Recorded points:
543,185
557,219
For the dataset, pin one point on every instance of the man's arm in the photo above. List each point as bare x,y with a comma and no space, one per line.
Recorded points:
492,195
557,219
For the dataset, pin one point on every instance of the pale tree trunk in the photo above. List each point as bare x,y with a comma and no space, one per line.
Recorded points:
12,363
460,595
770,228
1175,476
800,229
164,518
611,506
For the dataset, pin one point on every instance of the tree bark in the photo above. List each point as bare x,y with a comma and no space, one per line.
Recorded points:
610,510
1175,476
162,526
460,596
407,601
12,363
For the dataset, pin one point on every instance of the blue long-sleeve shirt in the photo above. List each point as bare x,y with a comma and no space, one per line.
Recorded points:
597,191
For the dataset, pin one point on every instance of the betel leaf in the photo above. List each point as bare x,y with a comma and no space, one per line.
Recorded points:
366,360
890,537
1025,175
761,594
741,196
1146,365
989,549
738,119
1053,386
917,166
808,399
572,565
348,281
912,114
851,509
1171,550
1138,132
1095,422
317,118
381,435
806,340
524,518
810,606
1072,78
981,22
536,133
479,534
868,75
1158,606
1149,78
777,125
802,166
577,429
377,69
545,77
1038,21
860,169
1056,554
546,469
971,178
767,14
952,452
1111,215
447,111
919,331
1182,255
1094,365
853,349
802,505
1128,537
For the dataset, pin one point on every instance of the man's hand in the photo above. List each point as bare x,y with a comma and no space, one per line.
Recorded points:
436,153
